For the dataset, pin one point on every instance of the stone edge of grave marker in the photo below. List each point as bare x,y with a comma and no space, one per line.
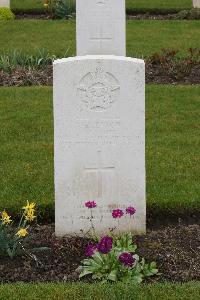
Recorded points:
60,62
196,3
5,3
98,57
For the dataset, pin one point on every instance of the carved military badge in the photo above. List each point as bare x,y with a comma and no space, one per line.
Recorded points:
99,89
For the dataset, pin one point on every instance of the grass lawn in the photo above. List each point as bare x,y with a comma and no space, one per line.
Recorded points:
27,5
172,147
130,4
158,4
167,291
143,37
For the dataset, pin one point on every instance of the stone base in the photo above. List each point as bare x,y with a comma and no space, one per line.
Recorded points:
99,137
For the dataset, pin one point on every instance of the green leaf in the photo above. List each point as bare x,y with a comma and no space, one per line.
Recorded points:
86,271
87,261
153,265
154,271
113,275
137,278
97,258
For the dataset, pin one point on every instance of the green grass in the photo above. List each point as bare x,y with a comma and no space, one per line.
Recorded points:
27,5
130,4
143,37
158,4
172,148
167,291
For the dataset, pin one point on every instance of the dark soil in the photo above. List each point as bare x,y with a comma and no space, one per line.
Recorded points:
142,16
176,250
160,74
27,16
19,76
150,16
192,14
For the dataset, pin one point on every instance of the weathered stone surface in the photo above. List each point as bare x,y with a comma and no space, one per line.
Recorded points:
99,119
196,3
100,27
4,3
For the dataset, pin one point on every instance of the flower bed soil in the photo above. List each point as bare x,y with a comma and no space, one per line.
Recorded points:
19,76
176,250
140,16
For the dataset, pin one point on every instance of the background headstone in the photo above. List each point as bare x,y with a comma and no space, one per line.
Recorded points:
99,119
4,3
196,3
100,27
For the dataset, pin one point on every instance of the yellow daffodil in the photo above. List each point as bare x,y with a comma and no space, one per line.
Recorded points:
29,206
30,215
29,211
46,3
6,219
22,232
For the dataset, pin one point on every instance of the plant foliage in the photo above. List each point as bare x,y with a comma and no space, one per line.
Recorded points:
12,239
119,264
6,14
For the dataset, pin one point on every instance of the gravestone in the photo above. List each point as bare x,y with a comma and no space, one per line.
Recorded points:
100,27
5,3
196,3
99,141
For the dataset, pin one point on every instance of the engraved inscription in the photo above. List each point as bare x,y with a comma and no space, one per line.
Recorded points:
101,2
99,89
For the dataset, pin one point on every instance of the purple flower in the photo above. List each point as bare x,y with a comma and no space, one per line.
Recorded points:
130,210
90,249
90,204
127,259
117,213
105,245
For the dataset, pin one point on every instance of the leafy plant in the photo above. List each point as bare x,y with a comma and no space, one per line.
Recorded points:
50,6
64,9
168,62
17,58
113,258
120,263
12,239
192,14
6,14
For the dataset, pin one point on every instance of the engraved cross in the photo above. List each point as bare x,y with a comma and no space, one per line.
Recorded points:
101,38
99,170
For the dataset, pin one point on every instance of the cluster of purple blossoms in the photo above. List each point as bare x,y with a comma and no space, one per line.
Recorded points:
90,249
90,204
118,213
105,245
130,210
127,259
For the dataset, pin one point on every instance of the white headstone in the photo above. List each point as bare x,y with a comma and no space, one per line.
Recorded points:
4,3
99,119
196,3
100,27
